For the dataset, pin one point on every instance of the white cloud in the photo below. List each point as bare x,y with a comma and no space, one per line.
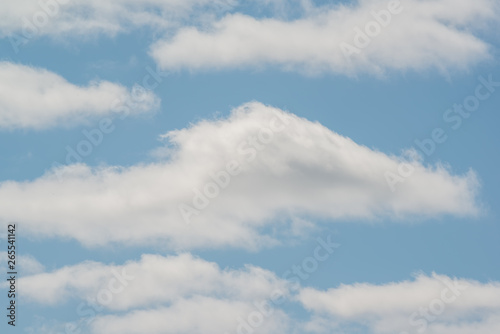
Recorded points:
27,19
438,34
436,304
161,295
37,98
197,315
185,294
304,170
25,264
151,281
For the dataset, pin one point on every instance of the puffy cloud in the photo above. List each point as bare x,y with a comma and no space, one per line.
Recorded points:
236,180
161,295
198,315
153,280
436,304
171,294
37,98
438,34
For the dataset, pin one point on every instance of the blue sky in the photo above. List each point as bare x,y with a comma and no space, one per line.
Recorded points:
323,176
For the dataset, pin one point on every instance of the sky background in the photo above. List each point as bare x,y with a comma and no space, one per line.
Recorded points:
385,113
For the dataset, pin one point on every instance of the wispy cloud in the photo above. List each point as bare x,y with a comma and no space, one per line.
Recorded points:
27,19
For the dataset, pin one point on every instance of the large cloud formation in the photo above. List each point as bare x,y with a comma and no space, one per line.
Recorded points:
231,182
